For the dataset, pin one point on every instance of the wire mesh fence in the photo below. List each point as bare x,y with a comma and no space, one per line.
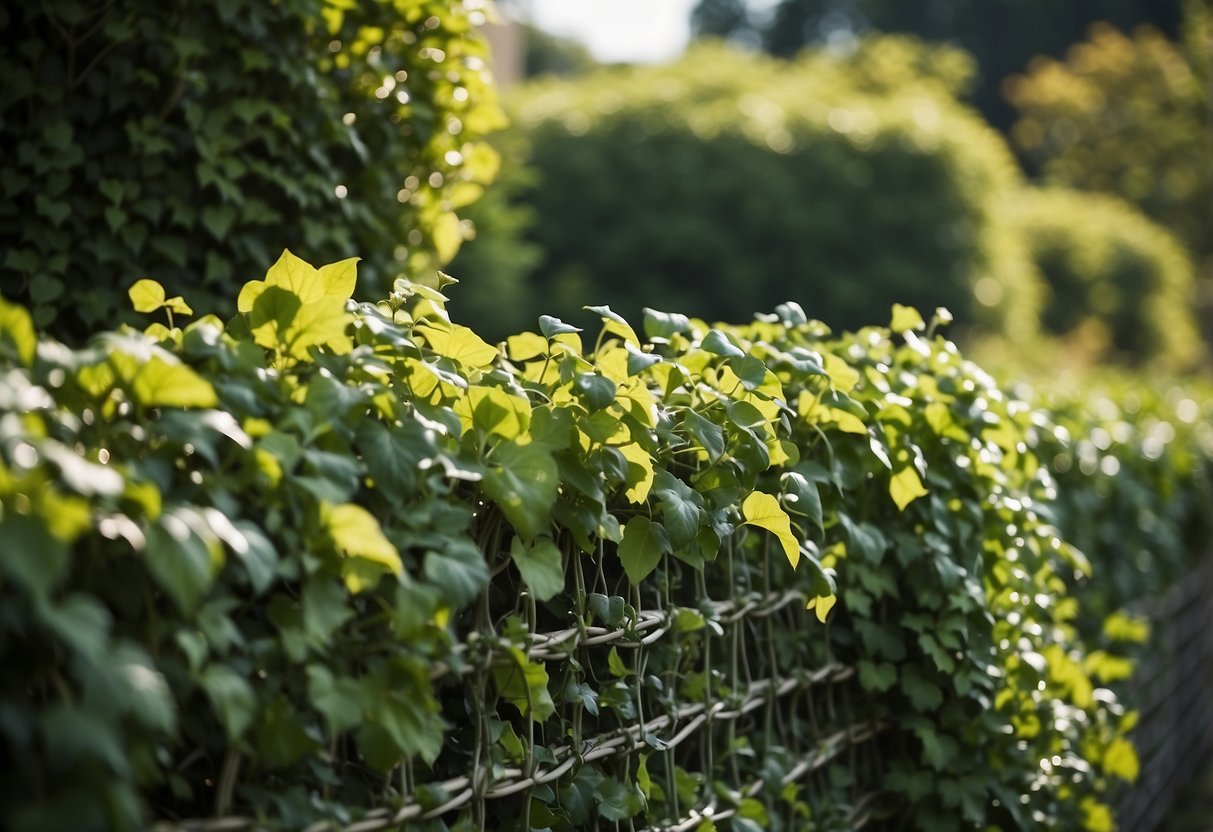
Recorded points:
1172,689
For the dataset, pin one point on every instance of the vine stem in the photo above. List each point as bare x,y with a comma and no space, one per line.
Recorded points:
227,782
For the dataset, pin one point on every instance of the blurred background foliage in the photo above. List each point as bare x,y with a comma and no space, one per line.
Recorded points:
857,174
729,182
193,141
1118,283
1001,35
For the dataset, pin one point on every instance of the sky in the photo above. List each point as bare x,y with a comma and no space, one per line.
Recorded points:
634,31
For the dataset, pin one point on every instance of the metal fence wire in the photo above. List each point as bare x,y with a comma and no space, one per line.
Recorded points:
724,690
1172,689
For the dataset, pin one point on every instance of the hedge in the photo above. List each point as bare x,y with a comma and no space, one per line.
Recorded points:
175,139
731,181
1111,272
292,568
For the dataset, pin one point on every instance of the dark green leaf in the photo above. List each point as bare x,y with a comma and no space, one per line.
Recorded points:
643,545
458,571
540,565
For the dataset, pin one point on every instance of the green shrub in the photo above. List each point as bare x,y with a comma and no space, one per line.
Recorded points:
1127,115
1106,265
728,183
189,142
293,569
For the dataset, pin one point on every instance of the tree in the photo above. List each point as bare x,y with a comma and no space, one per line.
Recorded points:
1126,115
1001,34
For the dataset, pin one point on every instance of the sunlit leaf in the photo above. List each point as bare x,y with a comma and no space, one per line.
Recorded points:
146,295
356,534
905,487
763,510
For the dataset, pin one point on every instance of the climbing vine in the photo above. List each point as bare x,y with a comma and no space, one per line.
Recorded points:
343,562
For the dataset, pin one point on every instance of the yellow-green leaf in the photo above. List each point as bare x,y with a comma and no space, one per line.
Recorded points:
1120,760
157,383
461,344
640,472
494,411
525,346
843,377
177,304
17,328
448,236
146,295
845,421
906,318
355,533
905,487
821,605
297,276
763,510
338,279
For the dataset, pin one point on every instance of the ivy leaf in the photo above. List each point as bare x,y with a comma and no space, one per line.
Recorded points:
762,510
923,694
644,542
616,666
718,343
493,411
324,609
338,279
522,480
616,323
356,534
551,327
182,562
540,566
339,700
411,719
616,800
865,540
639,361
707,433
802,497
146,295
905,487
1120,760
596,391
640,472
459,344
524,684
232,698
821,606
33,557
937,749
17,330
458,571
392,457
877,676
905,319
661,326
681,507
158,383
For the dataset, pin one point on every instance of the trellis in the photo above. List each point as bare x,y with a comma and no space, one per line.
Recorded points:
1171,691
811,712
